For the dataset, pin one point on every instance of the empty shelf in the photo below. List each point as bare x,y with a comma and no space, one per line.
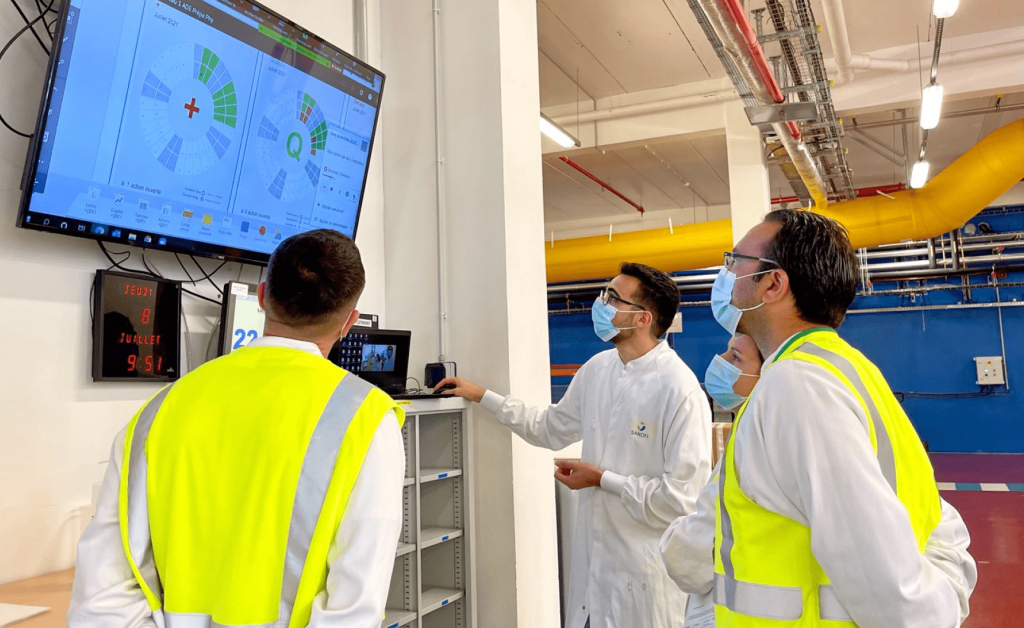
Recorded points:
435,598
432,536
405,548
429,475
397,617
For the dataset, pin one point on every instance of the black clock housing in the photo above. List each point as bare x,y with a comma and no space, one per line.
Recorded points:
136,328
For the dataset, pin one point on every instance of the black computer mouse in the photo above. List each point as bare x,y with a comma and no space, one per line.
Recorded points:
444,388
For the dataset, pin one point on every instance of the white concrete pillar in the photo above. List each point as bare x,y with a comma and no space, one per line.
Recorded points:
749,194
494,260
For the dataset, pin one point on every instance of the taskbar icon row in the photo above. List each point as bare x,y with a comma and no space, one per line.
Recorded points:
113,232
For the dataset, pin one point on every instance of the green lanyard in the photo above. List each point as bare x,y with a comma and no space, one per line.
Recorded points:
792,341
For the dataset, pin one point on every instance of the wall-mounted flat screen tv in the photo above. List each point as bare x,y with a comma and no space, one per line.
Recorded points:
215,128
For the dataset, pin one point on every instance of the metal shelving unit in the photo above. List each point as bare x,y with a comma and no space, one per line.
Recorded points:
430,584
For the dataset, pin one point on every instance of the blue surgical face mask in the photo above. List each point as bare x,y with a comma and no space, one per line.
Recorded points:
727,314
602,315
719,380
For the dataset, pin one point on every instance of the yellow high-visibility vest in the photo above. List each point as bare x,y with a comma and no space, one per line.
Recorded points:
234,483
765,572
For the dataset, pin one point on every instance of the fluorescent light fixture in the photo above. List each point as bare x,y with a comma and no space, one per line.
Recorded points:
945,8
919,175
557,133
931,106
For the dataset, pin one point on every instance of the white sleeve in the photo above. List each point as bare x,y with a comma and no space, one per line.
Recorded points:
688,545
946,549
362,555
105,592
555,427
820,453
657,501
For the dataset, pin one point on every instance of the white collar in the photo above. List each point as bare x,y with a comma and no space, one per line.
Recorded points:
287,343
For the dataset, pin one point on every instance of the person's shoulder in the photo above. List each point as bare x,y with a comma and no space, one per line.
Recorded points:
603,358
801,392
673,369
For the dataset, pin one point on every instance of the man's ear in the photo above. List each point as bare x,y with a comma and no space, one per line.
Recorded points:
261,295
776,286
352,318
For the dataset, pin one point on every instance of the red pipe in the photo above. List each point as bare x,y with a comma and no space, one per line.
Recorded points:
861,192
602,183
734,9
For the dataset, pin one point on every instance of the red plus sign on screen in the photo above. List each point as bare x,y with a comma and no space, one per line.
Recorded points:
191,106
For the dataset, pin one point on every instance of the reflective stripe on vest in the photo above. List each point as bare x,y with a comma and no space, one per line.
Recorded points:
786,603
314,481
886,460
758,600
139,541
198,620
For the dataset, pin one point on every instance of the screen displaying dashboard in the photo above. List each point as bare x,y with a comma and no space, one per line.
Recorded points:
215,128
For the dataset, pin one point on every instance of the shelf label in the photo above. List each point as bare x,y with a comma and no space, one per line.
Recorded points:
444,538
442,476
444,602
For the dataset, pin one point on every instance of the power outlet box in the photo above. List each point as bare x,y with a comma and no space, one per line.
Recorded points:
990,370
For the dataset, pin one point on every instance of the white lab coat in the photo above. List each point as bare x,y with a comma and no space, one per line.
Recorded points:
803,451
648,425
361,555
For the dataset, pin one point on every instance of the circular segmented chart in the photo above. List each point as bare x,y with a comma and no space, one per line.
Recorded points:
188,109
291,140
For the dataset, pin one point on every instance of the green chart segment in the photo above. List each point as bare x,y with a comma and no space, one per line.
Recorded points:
211,72
313,117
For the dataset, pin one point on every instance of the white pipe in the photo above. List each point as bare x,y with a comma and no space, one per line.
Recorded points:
640,109
869,62
835,23
360,31
442,244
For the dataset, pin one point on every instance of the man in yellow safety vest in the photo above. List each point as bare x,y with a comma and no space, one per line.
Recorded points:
824,510
262,489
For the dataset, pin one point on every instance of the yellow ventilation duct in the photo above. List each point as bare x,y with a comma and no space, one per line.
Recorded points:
953,197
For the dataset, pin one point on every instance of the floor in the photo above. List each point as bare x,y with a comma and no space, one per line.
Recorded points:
987,491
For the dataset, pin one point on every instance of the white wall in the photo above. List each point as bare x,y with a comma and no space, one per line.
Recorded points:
56,426
493,209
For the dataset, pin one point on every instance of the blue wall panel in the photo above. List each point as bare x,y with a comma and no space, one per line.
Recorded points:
917,352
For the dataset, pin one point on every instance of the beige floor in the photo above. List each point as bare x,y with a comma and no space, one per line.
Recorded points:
53,590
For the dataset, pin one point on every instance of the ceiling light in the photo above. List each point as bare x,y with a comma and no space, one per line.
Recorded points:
931,106
919,175
557,133
944,8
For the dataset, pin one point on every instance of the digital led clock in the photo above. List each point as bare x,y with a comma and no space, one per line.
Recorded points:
135,328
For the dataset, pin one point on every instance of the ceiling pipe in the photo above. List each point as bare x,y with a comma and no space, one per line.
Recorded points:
861,193
739,42
647,108
835,24
845,62
604,185
945,203
981,53
980,111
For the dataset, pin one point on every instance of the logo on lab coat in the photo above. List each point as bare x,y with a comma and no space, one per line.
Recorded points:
641,429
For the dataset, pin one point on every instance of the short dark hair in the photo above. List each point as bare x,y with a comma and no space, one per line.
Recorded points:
822,266
657,293
313,276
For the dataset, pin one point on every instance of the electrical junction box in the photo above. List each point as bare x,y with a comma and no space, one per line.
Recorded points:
990,371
